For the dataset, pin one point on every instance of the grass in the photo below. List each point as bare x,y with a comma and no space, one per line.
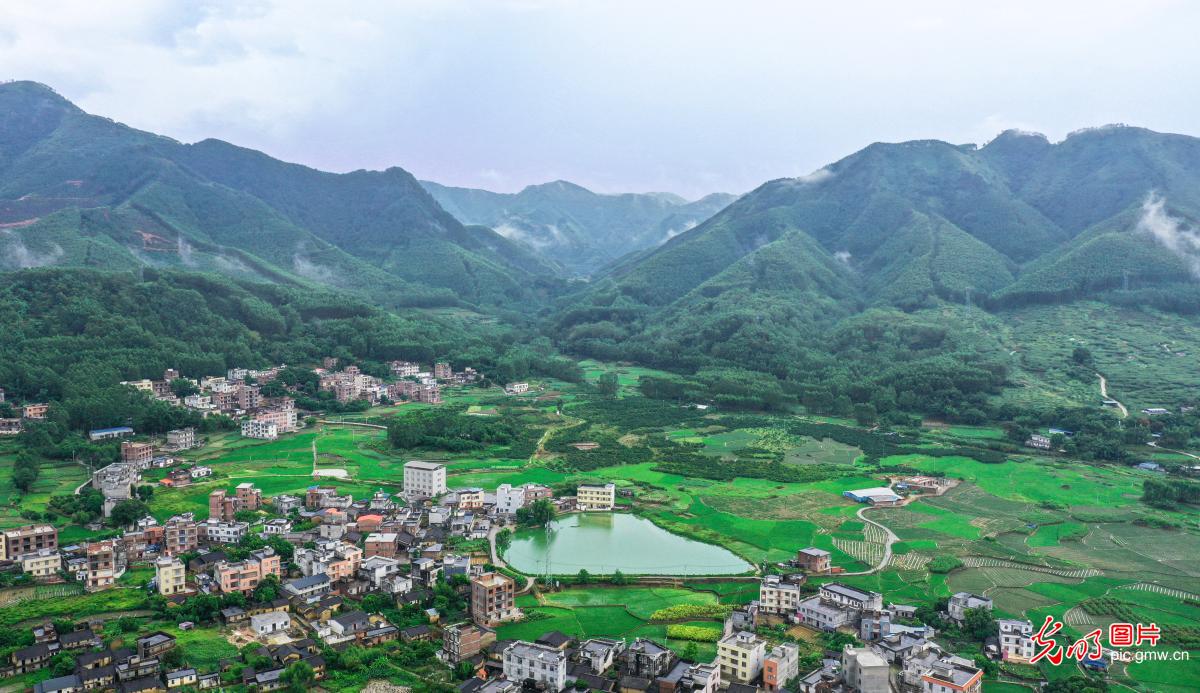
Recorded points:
79,606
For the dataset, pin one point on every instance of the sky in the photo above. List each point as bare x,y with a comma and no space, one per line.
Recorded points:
687,97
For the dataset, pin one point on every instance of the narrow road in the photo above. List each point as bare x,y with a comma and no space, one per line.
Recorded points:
1104,394
352,423
887,548
1177,452
497,561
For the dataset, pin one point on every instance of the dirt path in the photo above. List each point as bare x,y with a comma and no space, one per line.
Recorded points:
1104,394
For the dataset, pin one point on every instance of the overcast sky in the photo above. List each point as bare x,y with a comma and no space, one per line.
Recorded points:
689,97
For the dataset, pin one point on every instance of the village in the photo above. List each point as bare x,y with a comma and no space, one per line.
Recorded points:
398,548
293,578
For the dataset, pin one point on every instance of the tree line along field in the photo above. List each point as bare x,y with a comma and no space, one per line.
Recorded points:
1041,536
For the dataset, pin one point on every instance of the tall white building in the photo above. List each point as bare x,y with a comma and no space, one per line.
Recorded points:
424,479
263,430
1016,639
509,499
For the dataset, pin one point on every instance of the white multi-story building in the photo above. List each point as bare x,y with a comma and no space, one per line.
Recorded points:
516,388
781,665
424,479
181,439
596,496
740,656
509,499
778,596
263,430
1016,639
526,661
218,532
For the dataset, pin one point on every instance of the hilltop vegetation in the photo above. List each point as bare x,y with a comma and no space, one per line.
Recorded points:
900,280
81,190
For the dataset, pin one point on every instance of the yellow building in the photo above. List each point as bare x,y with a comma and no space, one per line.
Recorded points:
171,574
740,656
596,496
41,565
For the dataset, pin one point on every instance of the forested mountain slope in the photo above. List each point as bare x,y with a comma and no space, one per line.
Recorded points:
575,226
81,190
854,270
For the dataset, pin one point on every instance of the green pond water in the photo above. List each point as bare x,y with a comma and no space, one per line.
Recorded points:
604,542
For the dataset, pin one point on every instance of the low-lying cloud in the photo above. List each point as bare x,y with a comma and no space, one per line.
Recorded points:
16,255
1170,232
311,270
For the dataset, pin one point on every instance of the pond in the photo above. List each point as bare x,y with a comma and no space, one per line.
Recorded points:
605,542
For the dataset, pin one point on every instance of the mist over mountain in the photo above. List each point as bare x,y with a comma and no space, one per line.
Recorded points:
579,228
82,190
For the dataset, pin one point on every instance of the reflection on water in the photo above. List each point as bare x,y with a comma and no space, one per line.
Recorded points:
605,542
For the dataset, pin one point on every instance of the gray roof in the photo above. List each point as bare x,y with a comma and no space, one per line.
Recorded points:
61,683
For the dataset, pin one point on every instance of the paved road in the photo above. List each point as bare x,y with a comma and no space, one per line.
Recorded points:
1104,394
497,561
887,548
1178,452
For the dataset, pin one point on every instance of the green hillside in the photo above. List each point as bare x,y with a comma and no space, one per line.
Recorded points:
903,233
130,198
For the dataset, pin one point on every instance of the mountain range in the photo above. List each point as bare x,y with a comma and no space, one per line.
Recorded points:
81,190
914,269
583,230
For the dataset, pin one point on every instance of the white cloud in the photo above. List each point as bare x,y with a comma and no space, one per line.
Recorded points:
1170,232
15,254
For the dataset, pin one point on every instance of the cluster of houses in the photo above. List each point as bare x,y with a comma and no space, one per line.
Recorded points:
238,394
135,669
34,410
898,648
896,656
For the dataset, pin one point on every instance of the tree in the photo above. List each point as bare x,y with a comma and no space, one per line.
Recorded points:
26,471
182,387
540,512
979,624
504,540
145,492
865,414
267,590
618,578
298,677
62,664
128,512
248,516
1081,356
608,384
691,652
584,577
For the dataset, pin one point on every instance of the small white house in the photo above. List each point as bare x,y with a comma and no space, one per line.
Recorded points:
270,623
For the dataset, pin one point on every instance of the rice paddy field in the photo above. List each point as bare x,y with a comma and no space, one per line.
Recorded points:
621,612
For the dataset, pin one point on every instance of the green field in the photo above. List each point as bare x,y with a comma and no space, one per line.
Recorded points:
619,612
1040,536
